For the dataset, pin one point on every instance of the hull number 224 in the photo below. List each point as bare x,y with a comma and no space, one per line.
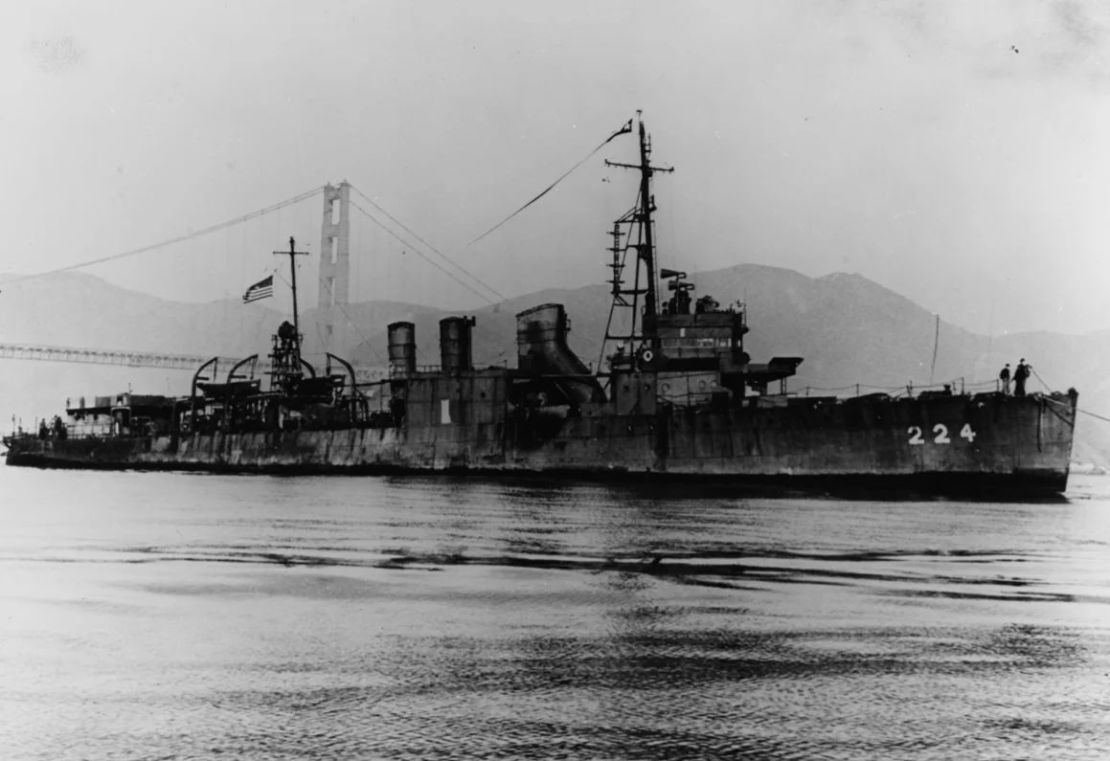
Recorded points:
940,434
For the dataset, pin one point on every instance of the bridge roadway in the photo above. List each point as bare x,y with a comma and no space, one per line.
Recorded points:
143,359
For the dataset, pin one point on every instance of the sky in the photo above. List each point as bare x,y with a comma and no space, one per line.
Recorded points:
954,152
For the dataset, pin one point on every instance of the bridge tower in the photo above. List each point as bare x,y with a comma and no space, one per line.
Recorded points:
335,265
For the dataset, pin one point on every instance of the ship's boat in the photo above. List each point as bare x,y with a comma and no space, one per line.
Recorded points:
679,399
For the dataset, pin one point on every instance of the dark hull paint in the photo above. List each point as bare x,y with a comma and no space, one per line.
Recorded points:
985,444
1015,485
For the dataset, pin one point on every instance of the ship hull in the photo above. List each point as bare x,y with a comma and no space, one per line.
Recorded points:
950,444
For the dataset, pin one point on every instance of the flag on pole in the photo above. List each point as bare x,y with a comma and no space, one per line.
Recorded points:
264,288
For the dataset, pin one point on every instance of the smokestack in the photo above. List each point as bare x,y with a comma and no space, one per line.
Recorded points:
541,333
541,342
454,345
402,349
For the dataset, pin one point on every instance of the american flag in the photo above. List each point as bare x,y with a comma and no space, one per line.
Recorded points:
264,288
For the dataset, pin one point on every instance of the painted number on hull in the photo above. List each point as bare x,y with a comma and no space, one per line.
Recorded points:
940,434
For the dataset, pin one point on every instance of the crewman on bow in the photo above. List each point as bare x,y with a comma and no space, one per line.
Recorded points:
1021,372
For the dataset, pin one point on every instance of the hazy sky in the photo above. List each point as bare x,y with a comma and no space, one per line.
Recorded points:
955,152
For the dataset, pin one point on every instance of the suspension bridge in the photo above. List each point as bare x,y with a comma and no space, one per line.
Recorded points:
333,288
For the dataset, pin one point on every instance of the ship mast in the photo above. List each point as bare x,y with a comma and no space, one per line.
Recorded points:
643,327
647,249
293,254
286,357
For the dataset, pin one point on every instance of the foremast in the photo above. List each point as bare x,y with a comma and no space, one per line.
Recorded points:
697,344
633,233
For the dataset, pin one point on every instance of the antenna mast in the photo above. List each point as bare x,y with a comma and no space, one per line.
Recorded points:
293,253
286,355
643,327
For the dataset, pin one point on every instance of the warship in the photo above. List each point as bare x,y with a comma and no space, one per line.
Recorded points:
678,398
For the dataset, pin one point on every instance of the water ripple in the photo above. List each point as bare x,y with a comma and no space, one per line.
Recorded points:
182,617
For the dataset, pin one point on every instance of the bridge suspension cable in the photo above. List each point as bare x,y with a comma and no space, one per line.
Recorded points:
172,241
416,250
429,246
281,205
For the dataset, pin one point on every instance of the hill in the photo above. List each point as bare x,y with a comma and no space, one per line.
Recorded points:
849,329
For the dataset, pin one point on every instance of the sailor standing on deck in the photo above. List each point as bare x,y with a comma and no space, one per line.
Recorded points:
1021,372
1004,376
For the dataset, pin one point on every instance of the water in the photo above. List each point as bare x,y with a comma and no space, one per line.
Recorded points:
172,616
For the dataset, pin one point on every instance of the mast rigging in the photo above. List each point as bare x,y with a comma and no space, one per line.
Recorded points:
642,333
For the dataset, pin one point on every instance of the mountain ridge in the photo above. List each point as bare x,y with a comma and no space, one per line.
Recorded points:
849,329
